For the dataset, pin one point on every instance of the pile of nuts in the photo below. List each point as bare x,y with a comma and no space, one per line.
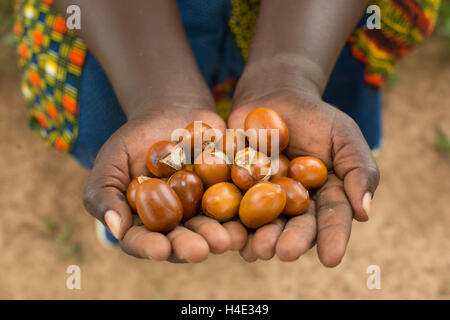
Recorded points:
236,174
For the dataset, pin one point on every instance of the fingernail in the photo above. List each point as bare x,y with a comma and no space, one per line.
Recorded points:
147,253
367,203
113,221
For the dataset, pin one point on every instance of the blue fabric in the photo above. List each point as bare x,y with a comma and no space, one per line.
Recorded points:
219,59
347,90
211,39
100,113
109,237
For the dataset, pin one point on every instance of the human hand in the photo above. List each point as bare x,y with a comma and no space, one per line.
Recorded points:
320,130
121,159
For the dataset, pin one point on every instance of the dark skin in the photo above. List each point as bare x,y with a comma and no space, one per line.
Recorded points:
157,99
287,73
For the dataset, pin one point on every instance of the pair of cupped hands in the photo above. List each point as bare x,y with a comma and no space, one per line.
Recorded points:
316,129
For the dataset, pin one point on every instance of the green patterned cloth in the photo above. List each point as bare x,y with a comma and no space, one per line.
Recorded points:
51,58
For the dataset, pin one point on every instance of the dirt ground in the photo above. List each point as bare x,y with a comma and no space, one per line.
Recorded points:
44,228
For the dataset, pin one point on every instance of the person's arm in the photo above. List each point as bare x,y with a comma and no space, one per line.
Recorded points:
144,51
294,49
296,43
142,47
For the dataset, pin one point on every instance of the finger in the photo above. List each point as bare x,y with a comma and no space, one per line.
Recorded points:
237,118
104,193
334,222
360,185
266,237
211,118
187,245
173,259
238,234
142,243
354,164
298,235
247,252
215,234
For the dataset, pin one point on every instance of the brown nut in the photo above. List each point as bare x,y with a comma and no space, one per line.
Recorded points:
265,118
132,190
212,167
297,197
201,132
165,158
311,172
262,203
231,142
282,165
242,178
221,201
249,168
158,205
189,188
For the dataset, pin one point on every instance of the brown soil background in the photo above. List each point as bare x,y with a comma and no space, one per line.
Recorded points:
408,235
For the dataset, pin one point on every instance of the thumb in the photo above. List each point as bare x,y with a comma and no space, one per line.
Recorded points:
237,117
104,195
359,185
354,164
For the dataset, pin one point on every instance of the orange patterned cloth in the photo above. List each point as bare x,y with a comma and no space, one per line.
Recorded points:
51,59
404,24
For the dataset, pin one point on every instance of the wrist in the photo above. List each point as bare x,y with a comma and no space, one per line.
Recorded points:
143,104
282,72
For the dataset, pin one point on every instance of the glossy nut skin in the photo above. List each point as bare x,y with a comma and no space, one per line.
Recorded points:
132,190
311,172
188,141
260,166
131,193
211,167
262,203
158,151
283,165
252,167
231,142
189,188
297,197
221,201
265,118
158,206
242,178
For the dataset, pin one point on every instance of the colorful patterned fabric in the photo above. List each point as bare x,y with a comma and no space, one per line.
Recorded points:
223,94
404,24
51,59
242,23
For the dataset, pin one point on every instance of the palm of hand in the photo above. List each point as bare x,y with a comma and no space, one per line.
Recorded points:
319,130
123,158
316,129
